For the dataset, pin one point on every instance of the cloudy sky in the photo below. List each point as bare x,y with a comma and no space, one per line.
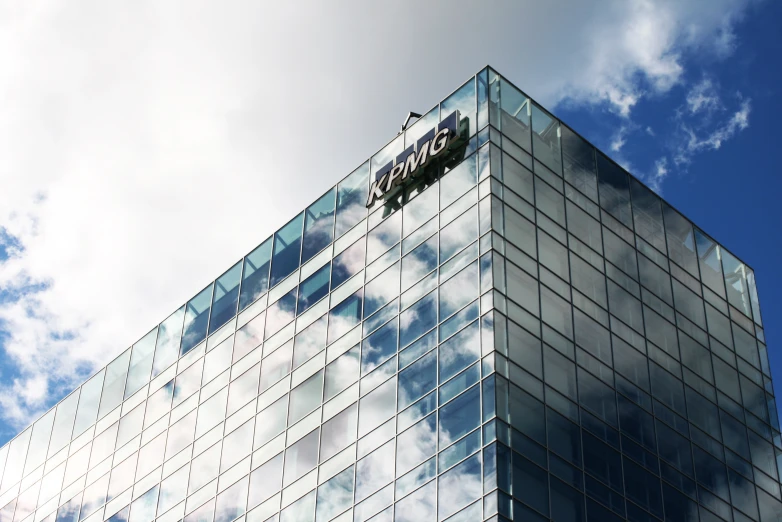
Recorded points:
146,146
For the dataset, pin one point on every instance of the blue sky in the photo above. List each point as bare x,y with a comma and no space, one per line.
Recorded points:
144,151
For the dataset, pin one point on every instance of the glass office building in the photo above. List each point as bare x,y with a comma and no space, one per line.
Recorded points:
519,331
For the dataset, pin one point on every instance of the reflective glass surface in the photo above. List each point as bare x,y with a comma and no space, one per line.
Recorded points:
523,331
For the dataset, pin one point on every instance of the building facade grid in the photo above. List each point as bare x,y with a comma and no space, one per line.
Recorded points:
525,332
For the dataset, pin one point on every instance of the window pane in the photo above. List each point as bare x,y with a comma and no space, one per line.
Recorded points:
301,457
351,199
378,347
270,422
419,262
287,249
342,373
226,297
314,288
681,241
318,225
309,342
231,503
255,276
614,190
418,319
384,236
348,263
460,416
141,363
545,139
736,283
647,215
459,351
514,114
459,290
88,405
338,432
345,316
376,407
335,496
63,423
196,319
305,398
459,486
169,338
280,313
458,234
114,385
579,167
710,263
265,481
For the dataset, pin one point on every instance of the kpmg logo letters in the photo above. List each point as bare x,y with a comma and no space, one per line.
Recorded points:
411,161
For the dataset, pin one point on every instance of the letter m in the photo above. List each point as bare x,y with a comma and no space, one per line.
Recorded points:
416,160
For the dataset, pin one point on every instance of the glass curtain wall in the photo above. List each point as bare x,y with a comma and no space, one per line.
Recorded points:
525,332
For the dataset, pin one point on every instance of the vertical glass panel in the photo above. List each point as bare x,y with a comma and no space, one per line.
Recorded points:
169,337
237,445
459,351
180,435
545,139
39,442
143,508
348,263
14,464
255,276
203,514
270,422
335,496
287,249
378,347
276,366
204,468
140,363
374,471
463,100
351,199
226,297
647,215
579,167
63,422
458,234
460,416
709,256
458,181
265,481
114,384
88,403
459,290
243,389
377,407
681,241
94,497
338,432
305,398
341,373
419,262
614,190
249,336
736,283
313,288
381,290
459,486
310,341
280,313
384,236
345,316
514,113
301,457
420,210
173,490
196,319
300,511
753,294
318,225
68,512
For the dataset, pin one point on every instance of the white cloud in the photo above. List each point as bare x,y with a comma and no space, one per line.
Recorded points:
148,147
703,97
658,175
711,137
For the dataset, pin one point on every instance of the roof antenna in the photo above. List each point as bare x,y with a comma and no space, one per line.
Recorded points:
410,115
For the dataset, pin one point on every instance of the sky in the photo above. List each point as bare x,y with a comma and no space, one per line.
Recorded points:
146,147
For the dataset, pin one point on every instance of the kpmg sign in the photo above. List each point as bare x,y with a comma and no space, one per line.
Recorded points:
411,161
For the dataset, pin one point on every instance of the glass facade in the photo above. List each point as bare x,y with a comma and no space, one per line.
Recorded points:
523,332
